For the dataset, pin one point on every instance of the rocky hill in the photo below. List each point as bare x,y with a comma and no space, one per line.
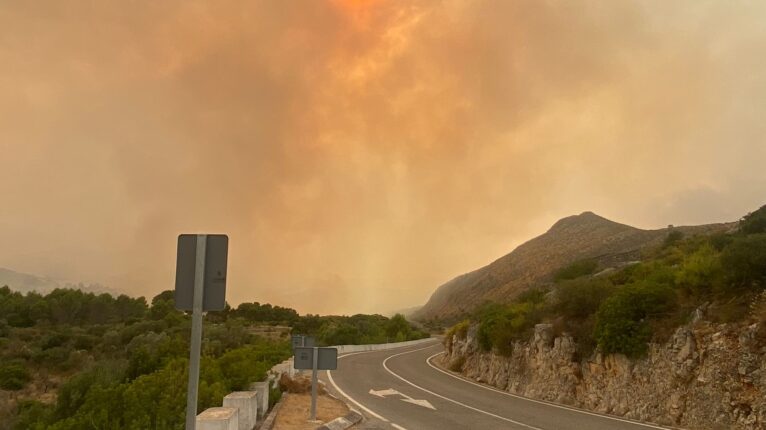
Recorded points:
578,237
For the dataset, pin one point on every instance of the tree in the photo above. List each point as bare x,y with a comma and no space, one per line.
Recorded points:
398,324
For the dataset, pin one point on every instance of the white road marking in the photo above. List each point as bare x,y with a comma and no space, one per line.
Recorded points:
391,392
428,360
384,393
519,423
351,399
424,403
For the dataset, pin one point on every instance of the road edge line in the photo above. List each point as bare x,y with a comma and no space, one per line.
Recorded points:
361,406
519,423
542,402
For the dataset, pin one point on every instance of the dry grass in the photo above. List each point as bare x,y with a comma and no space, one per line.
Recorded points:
294,412
299,384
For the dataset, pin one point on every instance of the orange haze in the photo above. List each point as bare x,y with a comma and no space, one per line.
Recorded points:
360,153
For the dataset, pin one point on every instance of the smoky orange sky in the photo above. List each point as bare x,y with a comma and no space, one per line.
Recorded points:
360,153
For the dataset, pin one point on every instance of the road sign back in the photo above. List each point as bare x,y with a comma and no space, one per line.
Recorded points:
304,358
216,256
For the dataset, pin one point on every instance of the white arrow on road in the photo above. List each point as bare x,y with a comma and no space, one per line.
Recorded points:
408,399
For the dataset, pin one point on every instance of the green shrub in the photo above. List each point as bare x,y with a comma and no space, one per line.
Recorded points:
672,238
33,415
533,295
622,321
754,222
275,394
242,366
744,263
576,270
501,325
578,299
13,375
700,272
460,330
5,329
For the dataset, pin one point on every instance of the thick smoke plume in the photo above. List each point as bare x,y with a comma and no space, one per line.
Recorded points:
359,153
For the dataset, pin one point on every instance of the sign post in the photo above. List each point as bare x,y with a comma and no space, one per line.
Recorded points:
314,372
315,359
196,334
200,286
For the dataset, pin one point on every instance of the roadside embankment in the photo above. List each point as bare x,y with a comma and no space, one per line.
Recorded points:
706,376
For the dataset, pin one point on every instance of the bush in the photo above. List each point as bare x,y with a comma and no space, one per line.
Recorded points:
274,395
755,222
502,325
5,329
576,270
622,321
457,364
700,272
744,263
579,299
672,238
13,376
460,330
242,366
33,415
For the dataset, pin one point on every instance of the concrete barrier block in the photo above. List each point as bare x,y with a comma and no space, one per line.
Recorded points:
262,388
247,404
218,419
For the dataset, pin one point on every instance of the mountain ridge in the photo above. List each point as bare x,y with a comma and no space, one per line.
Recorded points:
25,282
533,263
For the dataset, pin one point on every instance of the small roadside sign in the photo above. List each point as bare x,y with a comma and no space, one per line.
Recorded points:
315,359
327,358
299,340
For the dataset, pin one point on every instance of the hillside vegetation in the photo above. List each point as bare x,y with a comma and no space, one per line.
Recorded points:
622,310
584,241
76,360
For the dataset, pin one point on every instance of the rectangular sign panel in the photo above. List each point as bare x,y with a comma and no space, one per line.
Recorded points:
297,341
302,340
304,358
216,256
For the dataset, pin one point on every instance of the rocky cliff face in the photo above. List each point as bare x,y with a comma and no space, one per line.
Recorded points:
532,264
706,376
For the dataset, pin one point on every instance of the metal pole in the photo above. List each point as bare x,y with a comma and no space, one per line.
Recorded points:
314,385
196,333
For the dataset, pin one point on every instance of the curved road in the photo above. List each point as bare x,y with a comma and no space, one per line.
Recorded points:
401,389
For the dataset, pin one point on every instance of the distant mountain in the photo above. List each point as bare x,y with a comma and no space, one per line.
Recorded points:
578,237
24,282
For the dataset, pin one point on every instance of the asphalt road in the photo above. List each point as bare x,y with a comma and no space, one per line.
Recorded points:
410,393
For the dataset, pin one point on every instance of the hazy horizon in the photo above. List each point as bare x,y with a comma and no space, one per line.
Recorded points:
360,153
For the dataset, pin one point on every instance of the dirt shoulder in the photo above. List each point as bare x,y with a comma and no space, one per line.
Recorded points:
294,412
